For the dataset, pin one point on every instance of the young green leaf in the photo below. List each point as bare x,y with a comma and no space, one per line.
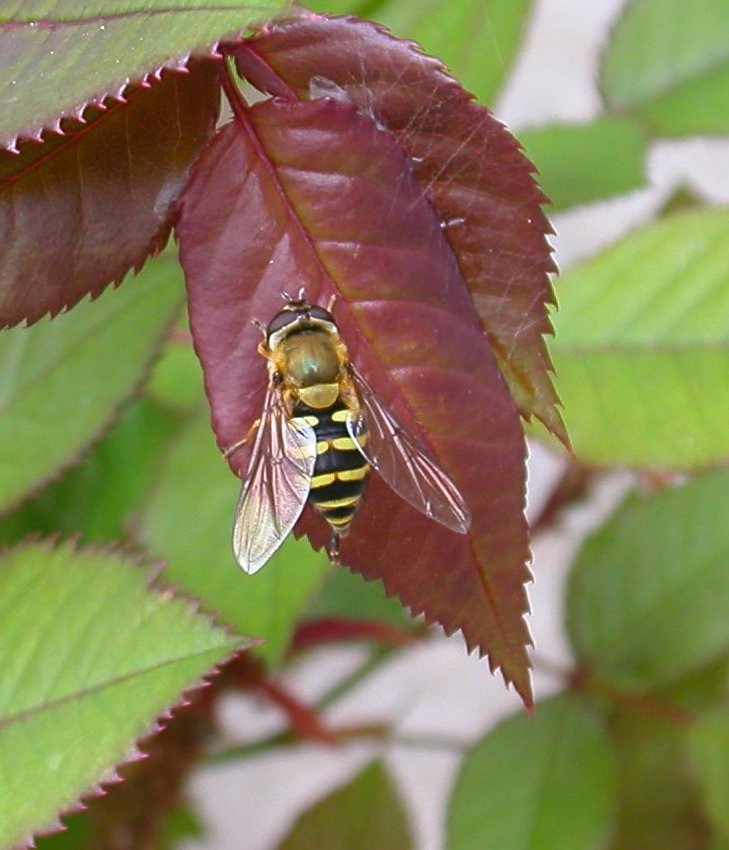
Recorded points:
90,656
188,522
82,207
314,194
365,814
642,349
649,591
62,382
58,57
470,167
542,783
581,163
668,63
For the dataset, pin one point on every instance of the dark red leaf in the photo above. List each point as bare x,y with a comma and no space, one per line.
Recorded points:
313,194
471,167
81,208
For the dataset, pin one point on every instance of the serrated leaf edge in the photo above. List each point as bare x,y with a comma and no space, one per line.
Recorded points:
551,417
103,100
134,560
431,622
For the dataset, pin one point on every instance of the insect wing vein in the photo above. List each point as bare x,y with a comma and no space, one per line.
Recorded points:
276,484
403,461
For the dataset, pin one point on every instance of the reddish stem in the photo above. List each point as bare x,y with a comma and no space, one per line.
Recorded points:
180,336
571,487
304,720
334,630
252,65
232,93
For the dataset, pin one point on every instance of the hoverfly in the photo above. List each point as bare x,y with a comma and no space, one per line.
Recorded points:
321,429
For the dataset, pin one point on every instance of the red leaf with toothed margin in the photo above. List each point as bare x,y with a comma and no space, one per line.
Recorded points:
470,166
313,194
82,207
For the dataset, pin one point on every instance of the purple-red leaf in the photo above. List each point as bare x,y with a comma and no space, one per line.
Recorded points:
82,207
313,194
470,166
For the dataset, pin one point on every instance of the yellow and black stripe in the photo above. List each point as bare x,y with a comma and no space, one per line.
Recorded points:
340,472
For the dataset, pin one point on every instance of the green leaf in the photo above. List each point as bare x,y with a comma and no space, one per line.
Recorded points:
63,381
648,594
75,835
183,823
188,522
668,62
542,783
642,346
58,55
709,749
362,8
90,656
176,380
364,815
347,594
97,497
581,163
476,39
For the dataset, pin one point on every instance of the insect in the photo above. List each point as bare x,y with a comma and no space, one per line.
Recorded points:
320,431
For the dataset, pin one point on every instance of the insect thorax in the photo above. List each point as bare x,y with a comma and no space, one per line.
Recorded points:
309,361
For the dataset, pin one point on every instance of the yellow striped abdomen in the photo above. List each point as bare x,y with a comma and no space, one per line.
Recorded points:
340,472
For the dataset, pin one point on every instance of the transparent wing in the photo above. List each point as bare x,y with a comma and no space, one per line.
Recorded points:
404,462
276,484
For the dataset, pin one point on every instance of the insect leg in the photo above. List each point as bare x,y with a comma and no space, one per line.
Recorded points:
226,453
261,327
333,550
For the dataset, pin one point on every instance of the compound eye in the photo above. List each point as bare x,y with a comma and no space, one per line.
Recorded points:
317,312
281,320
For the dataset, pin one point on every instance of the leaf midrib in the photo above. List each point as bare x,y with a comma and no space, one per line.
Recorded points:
83,693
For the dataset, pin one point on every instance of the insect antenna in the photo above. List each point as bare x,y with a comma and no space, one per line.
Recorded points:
289,299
